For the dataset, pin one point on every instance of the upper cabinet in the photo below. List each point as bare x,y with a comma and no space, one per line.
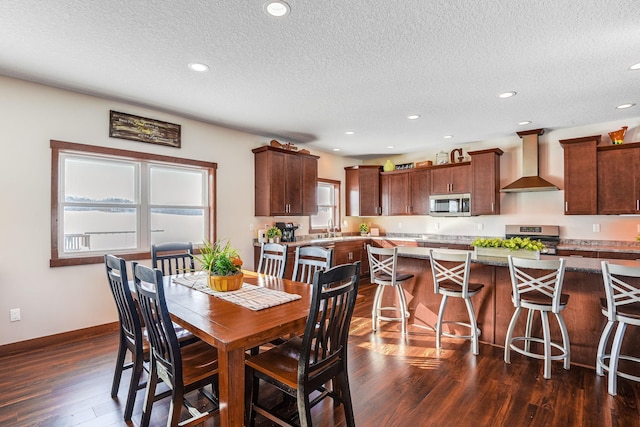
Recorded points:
406,192
362,183
485,181
451,178
580,175
601,179
285,182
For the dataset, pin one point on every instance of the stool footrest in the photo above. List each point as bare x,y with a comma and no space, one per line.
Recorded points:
557,346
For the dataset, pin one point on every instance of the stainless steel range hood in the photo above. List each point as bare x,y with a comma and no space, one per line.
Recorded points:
531,180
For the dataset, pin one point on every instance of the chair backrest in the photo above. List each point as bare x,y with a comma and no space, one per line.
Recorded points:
450,266
130,322
273,259
165,350
173,258
621,286
324,344
310,259
540,278
383,263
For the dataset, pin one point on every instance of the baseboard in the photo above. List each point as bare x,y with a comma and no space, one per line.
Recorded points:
79,334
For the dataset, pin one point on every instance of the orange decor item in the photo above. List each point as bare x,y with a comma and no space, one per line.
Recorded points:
617,137
226,283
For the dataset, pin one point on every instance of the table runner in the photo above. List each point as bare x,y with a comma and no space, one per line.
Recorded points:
249,296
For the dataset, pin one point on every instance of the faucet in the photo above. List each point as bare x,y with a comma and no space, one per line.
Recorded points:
329,227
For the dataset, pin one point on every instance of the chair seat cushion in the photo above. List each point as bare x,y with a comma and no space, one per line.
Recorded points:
539,298
280,363
399,277
631,311
450,286
199,361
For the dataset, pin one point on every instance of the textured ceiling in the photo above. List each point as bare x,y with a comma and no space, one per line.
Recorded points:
334,66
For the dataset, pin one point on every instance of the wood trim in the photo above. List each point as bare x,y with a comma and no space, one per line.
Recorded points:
596,138
497,151
336,184
66,337
282,150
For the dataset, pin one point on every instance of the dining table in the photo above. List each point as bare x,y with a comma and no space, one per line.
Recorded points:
233,329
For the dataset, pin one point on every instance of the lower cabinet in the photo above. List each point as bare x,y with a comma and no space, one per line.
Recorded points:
351,251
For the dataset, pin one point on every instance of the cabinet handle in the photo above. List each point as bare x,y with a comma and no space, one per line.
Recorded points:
566,206
492,208
638,205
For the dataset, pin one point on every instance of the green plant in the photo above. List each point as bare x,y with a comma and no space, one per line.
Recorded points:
274,232
364,228
513,243
219,259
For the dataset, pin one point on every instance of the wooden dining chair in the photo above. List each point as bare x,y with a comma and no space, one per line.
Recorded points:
273,259
303,366
131,332
182,368
173,258
310,259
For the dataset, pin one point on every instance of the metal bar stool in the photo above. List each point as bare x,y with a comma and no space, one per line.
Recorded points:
537,286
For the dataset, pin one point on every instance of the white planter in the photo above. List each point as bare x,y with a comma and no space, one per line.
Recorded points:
504,253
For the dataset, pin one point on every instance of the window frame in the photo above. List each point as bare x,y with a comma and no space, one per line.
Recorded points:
338,214
62,146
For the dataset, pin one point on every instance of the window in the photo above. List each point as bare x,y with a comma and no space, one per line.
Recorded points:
122,202
328,206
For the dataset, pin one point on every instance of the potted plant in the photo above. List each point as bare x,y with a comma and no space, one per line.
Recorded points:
522,247
364,228
223,265
274,234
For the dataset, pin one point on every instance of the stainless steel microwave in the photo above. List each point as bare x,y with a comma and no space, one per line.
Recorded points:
450,205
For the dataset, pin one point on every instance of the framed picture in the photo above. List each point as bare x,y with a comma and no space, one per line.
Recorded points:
136,128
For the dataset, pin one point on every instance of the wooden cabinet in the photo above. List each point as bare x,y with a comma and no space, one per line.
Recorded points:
349,252
362,185
285,182
618,179
485,181
451,178
580,175
406,192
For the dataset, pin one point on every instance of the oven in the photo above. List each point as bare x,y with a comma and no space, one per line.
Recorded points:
549,235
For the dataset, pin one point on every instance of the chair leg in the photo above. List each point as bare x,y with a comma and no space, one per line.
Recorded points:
615,357
304,408
342,381
547,344
527,334
565,341
117,374
376,308
443,304
149,395
177,396
602,348
404,313
134,385
474,327
507,341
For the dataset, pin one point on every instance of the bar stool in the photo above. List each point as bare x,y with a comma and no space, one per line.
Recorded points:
537,286
383,264
622,307
451,279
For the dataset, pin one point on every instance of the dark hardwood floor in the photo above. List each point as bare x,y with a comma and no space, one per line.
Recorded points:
394,382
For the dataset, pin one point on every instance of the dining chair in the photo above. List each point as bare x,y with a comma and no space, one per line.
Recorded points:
622,308
310,259
450,272
130,335
304,365
273,259
173,258
383,268
182,368
537,286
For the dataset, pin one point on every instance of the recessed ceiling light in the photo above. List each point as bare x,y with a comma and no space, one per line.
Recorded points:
526,122
507,94
349,132
635,66
276,8
390,147
623,106
336,149
197,66
448,136
413,117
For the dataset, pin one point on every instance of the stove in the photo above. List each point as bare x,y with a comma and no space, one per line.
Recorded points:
547,234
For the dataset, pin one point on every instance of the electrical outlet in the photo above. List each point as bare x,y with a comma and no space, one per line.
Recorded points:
480,227
399,225
596,228
251,227
437,226
638,228
15,314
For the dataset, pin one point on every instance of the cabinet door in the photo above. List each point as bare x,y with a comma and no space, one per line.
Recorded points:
618,173
395,193
363,190
293,184
580,177
309,186
485,185
419,188
451,179
461,179
278,183
440,181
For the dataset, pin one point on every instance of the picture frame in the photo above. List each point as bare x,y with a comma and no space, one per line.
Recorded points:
142,129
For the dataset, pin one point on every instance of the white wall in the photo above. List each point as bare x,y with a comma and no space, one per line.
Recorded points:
544,207
55,300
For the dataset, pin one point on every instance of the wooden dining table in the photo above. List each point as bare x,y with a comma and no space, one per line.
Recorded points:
233,329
